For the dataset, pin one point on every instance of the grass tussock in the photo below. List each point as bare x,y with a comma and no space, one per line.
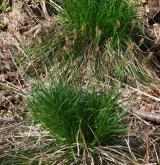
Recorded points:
101,20
83,44
74,115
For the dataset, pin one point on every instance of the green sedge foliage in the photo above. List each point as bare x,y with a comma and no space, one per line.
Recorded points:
101,19
71,114
4,6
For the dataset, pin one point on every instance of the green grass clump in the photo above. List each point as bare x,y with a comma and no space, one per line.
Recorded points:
74,115
101,19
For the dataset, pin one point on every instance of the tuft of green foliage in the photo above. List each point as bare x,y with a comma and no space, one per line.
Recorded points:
71,114
101,19
4,6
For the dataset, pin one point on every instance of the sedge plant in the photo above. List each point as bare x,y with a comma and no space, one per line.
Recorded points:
72,115
101,20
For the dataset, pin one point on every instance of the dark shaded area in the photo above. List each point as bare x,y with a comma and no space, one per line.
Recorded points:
154,19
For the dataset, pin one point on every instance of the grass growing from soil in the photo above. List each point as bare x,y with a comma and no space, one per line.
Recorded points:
74,115
90,41
93,38
101,19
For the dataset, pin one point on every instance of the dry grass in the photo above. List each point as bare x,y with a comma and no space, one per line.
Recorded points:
23,144
27,19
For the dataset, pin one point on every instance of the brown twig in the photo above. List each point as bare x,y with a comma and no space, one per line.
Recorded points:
148,116
147,146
